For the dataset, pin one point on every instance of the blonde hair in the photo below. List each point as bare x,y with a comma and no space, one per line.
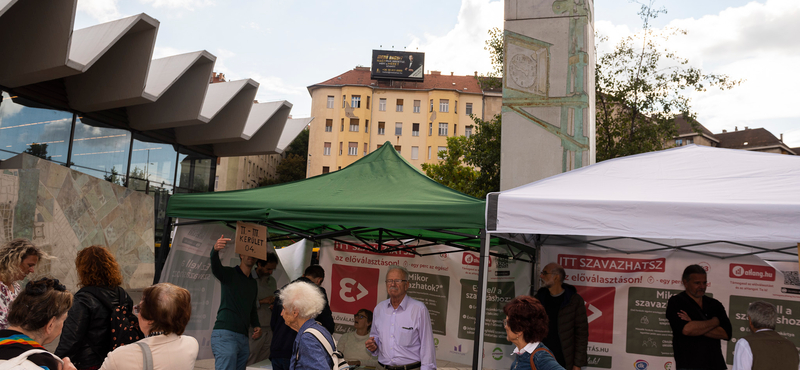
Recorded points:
13,253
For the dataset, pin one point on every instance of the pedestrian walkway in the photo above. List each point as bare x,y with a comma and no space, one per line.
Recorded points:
440,365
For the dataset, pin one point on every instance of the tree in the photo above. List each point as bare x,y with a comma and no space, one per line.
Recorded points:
640,89
293,166
114,177
471,165
494,45
39,150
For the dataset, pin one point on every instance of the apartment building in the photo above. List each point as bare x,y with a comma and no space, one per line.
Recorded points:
355,115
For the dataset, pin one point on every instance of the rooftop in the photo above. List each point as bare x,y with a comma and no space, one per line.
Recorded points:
360,76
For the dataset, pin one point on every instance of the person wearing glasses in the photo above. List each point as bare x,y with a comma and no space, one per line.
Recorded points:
163,313
401,334
352,343
526,327
568,329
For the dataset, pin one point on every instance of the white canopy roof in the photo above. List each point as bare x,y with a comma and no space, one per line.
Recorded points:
685,194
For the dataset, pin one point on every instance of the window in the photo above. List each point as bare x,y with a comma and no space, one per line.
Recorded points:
330,101
216,183
469,109
326,169
342,125
368,102
398,128
678,142
417,104
455,108
365,148
399,105
442,129
344,101
381,128
430,129
429,152
414,152
444,105
353,124
431,105
326,149
397,148
468,131
352,148
366,126
328,125
355,101
382,105
415,129
340,148
689,141
455,129
439,152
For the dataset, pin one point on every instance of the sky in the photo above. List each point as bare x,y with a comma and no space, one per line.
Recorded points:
287,45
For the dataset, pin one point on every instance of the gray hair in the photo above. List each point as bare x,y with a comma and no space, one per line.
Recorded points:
559,271
398,267
304,297
762,315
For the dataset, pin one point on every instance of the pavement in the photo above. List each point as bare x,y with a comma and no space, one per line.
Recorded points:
440,365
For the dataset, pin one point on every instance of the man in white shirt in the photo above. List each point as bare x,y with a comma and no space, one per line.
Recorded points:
765,348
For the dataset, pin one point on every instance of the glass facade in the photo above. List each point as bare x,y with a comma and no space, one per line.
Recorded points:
103,151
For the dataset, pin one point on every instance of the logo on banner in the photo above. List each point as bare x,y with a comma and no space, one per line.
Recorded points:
640,365
705,266
353,288
611,264
668,365
473,259
497,353
600,312
752,272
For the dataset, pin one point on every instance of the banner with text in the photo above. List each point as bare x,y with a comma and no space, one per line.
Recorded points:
446,283
626,299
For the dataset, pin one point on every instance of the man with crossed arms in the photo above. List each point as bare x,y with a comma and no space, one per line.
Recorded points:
401,334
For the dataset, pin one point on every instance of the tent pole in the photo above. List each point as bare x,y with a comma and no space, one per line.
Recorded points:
163,249
480,307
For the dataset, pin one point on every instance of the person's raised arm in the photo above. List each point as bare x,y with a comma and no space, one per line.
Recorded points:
216,264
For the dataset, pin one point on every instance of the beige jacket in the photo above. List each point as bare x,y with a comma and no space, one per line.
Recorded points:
170,352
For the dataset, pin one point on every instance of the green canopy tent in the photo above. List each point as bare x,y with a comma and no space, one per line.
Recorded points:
381,200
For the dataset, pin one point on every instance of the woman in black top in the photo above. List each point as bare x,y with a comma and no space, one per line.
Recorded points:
36,318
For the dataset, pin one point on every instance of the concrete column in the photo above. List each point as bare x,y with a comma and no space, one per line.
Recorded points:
548,89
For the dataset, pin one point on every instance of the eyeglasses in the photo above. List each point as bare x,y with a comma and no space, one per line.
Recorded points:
505,322
544,272
395,281
360,316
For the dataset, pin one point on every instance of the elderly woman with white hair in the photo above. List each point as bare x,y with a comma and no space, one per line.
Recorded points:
302,302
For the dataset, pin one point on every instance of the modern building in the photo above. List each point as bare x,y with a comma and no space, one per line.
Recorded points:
95,134
354,115
755,139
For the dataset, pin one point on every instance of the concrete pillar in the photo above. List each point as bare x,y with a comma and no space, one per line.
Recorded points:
548,89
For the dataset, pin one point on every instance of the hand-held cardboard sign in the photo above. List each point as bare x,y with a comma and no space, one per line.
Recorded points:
251,240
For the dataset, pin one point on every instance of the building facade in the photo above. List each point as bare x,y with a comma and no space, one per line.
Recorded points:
354,115
754,139
234,173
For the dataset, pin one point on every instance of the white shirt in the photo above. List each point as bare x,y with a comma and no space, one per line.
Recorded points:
528,348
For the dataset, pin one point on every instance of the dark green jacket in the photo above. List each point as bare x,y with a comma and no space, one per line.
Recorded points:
238,301
573,326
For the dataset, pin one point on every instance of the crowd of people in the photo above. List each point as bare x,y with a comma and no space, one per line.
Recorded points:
293,326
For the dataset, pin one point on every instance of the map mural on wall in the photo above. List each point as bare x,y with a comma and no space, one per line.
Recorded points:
64,211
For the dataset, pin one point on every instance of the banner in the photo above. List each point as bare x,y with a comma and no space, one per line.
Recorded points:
626,299
446,283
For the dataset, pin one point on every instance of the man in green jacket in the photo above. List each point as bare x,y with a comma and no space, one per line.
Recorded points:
237,311
568,335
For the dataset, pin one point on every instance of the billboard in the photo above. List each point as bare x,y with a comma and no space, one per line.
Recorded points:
397,65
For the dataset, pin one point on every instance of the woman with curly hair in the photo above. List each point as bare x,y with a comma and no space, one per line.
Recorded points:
526,327
17,259
86,338
35,319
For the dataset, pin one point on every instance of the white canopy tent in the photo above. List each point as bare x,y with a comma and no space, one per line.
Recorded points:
712,201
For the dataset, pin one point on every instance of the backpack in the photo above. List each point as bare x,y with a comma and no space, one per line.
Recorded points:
339,362
21,362
123,324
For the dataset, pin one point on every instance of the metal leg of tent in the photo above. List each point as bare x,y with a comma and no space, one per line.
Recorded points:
480,307
163,250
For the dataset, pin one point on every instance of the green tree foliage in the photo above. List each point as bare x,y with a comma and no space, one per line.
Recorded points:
39,150
294,164
471,165
494,45
114,176
641,87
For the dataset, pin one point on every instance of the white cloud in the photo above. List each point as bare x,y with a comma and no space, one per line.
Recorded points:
101,10
756,42
166,51
179,4
272,86
461,49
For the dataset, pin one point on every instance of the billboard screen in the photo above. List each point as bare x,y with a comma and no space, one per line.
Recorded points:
397,65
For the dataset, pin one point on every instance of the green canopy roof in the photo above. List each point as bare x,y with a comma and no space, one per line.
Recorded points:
380,196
